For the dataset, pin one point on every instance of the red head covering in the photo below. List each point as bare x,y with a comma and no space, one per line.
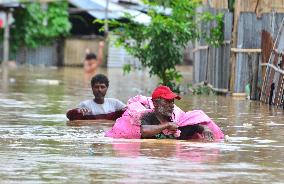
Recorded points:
164,92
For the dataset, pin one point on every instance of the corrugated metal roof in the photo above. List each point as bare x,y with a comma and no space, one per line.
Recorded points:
96,8
9,3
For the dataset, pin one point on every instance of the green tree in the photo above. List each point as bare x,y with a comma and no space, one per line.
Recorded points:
159,45
39,24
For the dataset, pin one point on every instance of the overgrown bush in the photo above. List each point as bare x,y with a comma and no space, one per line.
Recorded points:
39,24
159,45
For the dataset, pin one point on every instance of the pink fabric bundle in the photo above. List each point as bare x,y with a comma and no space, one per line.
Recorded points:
199,117
128,126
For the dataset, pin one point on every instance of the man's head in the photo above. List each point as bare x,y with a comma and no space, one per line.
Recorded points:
163,100
99,84
91,56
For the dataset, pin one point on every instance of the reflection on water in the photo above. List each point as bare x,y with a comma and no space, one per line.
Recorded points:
37,146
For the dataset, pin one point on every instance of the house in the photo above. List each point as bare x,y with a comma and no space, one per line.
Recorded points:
85,33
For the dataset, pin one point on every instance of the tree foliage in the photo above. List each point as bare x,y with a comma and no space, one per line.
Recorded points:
159,45
39,24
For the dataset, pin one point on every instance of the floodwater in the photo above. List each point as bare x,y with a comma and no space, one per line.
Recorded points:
36,146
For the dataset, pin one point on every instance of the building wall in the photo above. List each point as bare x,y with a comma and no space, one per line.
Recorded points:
259,6
75,49
43,55
218,4
46,55
118,56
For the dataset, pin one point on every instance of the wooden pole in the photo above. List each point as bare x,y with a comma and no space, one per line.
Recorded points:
6,51
234,45
106,19
207,66
106,32
6,39
254,87
238,50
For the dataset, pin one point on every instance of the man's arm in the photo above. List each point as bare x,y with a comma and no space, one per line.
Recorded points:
78,114
100,54
75,114
109,116
148,131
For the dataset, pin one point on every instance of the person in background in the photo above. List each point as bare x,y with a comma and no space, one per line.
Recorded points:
92,62
99,107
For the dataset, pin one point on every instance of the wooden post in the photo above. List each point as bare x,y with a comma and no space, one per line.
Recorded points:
5,51
255,66
60,52
6,39
106,19
106,37
234,44
207,66
250,72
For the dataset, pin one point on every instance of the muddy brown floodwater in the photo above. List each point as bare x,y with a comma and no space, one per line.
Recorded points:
36,146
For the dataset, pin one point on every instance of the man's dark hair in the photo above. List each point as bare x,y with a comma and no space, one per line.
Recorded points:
90,56
100,78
